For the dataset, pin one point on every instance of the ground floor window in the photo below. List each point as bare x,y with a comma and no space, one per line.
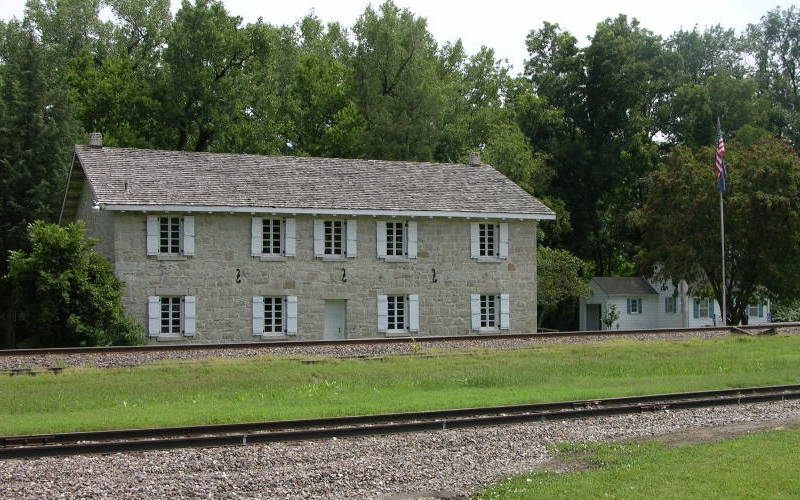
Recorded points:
172,315
490,311
398,313
274,318
274,315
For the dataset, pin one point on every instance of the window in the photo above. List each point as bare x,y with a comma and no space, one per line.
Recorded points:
396,239
669,305
703,308
334,244
172,315
170,235
335,238
169,240
489,241
755,310
273,238
635,306
490,311
274,315
397,316
398,313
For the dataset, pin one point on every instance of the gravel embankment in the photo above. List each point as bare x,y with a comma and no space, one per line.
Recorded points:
137,358
439,464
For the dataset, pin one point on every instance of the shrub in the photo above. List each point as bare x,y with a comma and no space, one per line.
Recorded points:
66,294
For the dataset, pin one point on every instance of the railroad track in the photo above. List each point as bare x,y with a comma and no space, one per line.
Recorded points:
750,329
129,440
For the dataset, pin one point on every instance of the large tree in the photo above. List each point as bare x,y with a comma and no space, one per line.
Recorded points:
680,222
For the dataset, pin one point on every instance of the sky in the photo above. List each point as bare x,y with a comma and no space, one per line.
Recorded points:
503,24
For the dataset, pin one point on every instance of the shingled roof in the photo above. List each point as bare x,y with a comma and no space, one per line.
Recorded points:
129,178
624,286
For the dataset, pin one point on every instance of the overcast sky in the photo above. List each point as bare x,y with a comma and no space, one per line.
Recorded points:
503,24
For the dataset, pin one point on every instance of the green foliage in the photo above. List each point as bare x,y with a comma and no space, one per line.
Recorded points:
66,293
610,316
762,204
275,388
560,276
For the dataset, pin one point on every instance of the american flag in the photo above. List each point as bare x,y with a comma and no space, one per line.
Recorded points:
719,162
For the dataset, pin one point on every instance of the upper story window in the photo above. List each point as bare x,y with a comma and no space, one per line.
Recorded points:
170,235
396,239
273,237
670,305
491,311
172,315
398,313
274,315
335,238
489,240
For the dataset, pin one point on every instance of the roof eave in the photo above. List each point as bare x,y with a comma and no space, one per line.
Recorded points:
323,211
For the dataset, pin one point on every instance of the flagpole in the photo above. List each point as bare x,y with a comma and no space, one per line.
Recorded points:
720,159
722,246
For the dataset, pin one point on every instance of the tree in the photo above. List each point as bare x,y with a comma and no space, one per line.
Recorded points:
66,293
560,277
680,222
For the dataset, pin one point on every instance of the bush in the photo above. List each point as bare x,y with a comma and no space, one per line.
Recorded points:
65,293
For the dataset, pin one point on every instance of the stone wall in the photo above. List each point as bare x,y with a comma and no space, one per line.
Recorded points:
99,224
224,307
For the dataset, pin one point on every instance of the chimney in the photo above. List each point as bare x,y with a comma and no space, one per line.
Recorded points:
474,158
96,140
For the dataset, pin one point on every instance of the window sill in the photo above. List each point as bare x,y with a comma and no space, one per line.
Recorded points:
397,259
272,258
489,260
170,338
170,257
400,333
334,258
276,336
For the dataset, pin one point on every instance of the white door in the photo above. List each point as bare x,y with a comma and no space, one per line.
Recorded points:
335,314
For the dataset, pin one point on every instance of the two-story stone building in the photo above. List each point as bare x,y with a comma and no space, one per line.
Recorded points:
226,247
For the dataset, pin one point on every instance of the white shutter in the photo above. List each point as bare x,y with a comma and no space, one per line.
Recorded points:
188,235
319,238
189,315
152,234
154,315
475,310
258,315
352,237
380,238
505,311
256,236
413,313
383,313
290,237
291,315
503,248
474,241
412,240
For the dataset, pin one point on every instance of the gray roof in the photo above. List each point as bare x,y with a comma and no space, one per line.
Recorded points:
120,176
624,286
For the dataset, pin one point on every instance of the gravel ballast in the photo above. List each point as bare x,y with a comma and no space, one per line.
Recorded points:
110,360
445,463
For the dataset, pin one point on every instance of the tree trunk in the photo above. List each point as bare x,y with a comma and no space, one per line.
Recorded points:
10,328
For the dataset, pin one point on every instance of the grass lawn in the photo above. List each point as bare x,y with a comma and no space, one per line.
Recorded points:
236,390
751,466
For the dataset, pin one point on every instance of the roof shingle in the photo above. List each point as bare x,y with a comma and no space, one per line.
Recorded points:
120,176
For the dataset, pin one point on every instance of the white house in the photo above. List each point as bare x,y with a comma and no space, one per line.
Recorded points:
644,304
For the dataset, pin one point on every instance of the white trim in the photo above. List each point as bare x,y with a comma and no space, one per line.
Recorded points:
323,211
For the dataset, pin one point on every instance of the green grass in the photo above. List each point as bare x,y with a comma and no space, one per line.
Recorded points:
752,466
235,390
